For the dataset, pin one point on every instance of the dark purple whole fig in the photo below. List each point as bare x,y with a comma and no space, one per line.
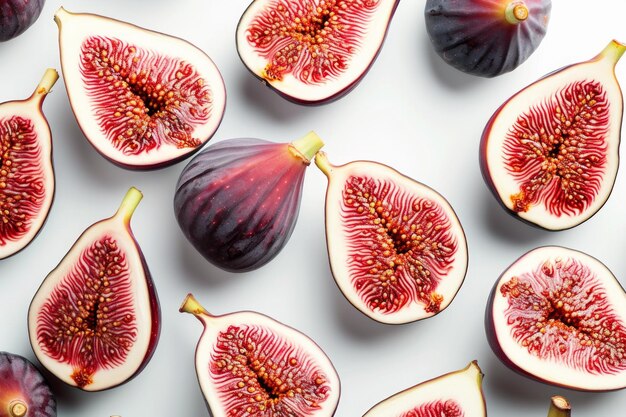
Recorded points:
559,316
143,99
95,320
26,169
486,37
237,201
251,365
550,153
18,15
24,392
310,51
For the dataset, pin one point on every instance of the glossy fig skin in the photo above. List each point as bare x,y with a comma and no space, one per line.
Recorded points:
481,37
18,15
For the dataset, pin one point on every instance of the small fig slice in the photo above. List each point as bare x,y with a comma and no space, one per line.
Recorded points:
18,15
397,249
24,392
143,99
486,37
95,321
558,315
251,365
238,200
310,51
456,394
26,170
549,154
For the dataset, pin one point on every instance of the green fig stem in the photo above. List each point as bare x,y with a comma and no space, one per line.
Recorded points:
192,306
612,52
321,160
49,78
516,12
559,407
307,146
129,204
17,408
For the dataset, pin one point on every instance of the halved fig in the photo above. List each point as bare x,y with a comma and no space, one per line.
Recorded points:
311,51
549,154
397,249
557,315
18,15
26,170
95,320
143,99
24,392
251,365
456,394
486,37
238,200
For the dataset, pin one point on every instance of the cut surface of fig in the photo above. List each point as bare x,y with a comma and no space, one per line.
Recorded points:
26,170
311,51
24,392
249,364
550,153
557,315
143,99
238,200
456,394
95,320
18,15
397,249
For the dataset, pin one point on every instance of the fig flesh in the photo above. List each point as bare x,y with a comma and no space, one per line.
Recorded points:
550,154
456,394
26,169
24,392
486,37
18,15
310,51
143,99
95,321
251,365
238,200
396,248
557,315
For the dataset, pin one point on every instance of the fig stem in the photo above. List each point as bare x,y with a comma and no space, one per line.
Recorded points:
129,204
17,408
307,146
321,160
613,52
559,407
49,78
516,12
192,306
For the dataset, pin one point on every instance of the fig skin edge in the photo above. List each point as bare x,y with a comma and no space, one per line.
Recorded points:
613,51
327,168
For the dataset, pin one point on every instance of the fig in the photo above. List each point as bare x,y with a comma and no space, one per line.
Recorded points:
24,392
18,15
251,365
95,320
310,51
456,394
549,154
486,38
143,99
559,407
26,169
238,200
397,250
557,315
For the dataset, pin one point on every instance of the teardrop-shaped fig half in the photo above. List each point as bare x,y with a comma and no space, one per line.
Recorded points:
95,321
397,249
24,392
26,170
559,316
143,99
549,154
251,365
238,200
310,51
456,394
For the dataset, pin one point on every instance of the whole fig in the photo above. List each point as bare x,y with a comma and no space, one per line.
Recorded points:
18,15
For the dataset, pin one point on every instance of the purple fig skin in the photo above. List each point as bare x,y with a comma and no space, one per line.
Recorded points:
18,15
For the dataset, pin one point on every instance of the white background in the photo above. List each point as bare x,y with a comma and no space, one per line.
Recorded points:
411,111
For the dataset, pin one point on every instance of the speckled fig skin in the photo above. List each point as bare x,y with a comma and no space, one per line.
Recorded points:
18,15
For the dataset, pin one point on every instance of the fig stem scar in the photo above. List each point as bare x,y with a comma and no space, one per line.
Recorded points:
516,12
559,407
321,160
307,146
192,306
49,78
17,408
129,204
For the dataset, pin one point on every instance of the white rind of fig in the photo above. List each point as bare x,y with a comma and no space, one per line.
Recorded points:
549,371
338,242
333,87
75,28
31,109
304,347
144,302
601,69
464,387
